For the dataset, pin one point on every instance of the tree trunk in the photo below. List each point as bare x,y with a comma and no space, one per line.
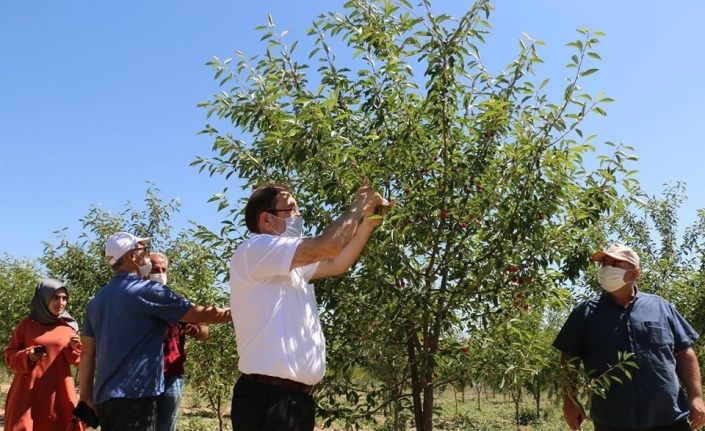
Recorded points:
538,402
398,426
479,397
428,400
516,397
219,411
455,395
394,408
415,381
215,401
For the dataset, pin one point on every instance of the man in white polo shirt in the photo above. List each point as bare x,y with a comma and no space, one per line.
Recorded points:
279,338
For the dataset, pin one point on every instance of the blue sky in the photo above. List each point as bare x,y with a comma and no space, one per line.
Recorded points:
98,97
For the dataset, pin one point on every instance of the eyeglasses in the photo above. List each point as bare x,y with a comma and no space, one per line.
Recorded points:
144,249
274,210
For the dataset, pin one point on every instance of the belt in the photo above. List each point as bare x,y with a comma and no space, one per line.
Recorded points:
282,383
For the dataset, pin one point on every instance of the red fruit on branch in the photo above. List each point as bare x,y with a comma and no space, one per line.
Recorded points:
512,268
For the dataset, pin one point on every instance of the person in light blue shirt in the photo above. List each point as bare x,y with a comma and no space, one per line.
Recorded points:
123,333
623,319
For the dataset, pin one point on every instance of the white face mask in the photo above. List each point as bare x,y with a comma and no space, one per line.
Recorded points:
145,268
294,226
159,278
611,278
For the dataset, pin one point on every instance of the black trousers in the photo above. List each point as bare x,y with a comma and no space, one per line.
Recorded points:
682,425
261,407
128,414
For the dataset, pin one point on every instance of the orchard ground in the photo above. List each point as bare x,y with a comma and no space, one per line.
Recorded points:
496,413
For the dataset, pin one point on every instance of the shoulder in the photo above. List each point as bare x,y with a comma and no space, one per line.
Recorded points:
653,297
655,300
26,323
265,241
29,327
264,246
153,289
585,309
590,305
108,290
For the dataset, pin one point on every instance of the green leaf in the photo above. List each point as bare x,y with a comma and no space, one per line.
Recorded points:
600,111
594,55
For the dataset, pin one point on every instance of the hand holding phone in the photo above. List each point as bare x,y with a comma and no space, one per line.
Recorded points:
38,352
85,413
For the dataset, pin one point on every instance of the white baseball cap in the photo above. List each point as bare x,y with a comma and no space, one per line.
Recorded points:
619,252
119,244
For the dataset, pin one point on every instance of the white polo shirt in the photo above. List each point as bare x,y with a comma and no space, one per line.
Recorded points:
274,311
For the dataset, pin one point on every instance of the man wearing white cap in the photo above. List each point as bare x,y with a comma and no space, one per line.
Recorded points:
623,319
121,372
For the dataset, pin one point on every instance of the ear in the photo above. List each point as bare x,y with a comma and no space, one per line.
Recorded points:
633,273
263,222
130,257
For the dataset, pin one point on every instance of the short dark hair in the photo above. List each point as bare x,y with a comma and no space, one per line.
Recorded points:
118,263
262,199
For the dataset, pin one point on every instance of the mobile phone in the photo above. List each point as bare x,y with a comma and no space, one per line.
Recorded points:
40,349
86,414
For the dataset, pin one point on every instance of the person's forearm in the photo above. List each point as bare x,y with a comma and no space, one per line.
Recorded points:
339,233
86,371
202,314
347,257
689,372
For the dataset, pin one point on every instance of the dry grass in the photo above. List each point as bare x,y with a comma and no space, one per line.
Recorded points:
496,414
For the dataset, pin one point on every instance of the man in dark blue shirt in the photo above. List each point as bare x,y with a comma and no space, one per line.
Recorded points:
122,365
624,319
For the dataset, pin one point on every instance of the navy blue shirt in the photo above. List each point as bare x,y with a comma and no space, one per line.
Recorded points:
128,319
651,328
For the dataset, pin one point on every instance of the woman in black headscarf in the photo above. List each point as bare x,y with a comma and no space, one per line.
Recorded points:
43,347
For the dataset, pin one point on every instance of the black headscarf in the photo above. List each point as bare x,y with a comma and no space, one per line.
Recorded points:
39,309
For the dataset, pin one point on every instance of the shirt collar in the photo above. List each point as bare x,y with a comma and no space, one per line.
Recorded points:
608,298
125,274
